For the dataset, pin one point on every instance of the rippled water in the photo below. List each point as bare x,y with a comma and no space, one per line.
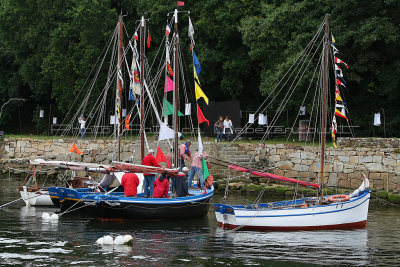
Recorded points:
25,239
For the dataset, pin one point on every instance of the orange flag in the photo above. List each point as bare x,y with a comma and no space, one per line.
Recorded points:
74,149
127,122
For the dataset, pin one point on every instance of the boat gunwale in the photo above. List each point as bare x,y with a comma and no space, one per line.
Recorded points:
243,208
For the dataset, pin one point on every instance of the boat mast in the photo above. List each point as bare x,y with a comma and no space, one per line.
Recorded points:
323,119
176,90
118,99
142,51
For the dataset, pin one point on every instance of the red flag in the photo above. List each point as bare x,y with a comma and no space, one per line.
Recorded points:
338,60
127,122
181,3
169,69
161,158
136,36
201,116
148,39
74,149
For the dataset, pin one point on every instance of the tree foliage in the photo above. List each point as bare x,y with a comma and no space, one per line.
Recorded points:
48,49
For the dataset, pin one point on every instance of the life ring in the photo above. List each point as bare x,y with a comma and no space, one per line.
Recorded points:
340,198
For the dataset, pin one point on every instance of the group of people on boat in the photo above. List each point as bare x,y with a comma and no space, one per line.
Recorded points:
223,127
159,187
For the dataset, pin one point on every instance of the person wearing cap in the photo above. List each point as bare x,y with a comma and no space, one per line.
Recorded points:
181,183
184,153
196,168
149,178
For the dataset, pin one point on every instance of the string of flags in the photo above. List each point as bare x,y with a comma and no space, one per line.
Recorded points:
340,105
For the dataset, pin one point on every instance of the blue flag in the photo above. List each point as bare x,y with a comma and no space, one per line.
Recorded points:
196,63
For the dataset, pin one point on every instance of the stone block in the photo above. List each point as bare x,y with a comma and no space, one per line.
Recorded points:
344,158
275,158
286,166
377,159
374,175
377,167
301,168
389,162
337,166
333,180
353,159
62,157
365,159
315,167
345,183
348,170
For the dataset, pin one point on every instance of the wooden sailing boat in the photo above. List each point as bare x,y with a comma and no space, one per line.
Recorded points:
309,213
90,201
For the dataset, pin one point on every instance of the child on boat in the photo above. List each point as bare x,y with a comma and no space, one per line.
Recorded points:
161,186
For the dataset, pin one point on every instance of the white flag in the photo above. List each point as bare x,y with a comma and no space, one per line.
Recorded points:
262,119
187,109
200,144
166,132
191,31
112,119
251,118
377,119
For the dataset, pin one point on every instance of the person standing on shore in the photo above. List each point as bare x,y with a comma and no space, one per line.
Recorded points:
228,129
219,127
149,178
262,155
82,121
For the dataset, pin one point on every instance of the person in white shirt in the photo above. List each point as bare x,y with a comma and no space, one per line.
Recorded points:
82,121
228,129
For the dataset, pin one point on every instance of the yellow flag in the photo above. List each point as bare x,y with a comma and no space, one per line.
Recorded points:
338,98
197,89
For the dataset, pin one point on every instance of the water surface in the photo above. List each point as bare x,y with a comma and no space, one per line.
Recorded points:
26,239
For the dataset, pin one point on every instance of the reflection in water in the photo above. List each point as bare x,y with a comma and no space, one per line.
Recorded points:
332,246
26,239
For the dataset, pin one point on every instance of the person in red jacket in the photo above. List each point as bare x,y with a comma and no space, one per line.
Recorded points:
161,186
149,178
130,182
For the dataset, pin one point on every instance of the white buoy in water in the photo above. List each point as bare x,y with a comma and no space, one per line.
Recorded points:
128,239
54,217
100,241
45,216
119,240
108,240
123,240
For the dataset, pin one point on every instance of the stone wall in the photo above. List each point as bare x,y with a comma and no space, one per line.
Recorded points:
378,158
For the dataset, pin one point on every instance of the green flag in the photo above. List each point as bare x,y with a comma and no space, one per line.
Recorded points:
206,173
168,109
